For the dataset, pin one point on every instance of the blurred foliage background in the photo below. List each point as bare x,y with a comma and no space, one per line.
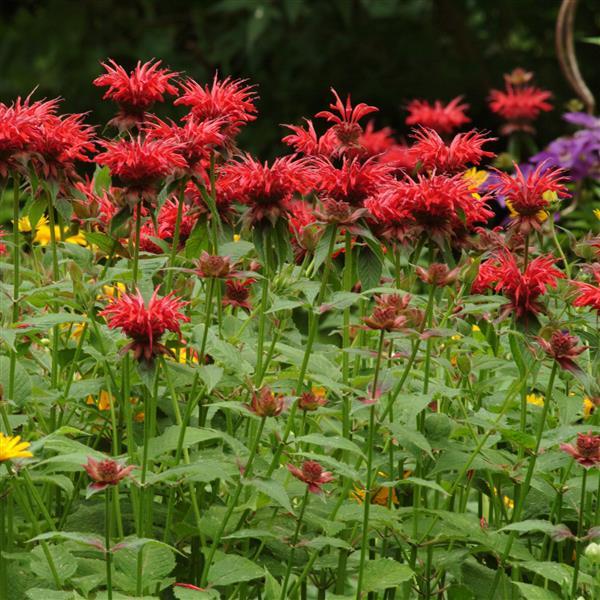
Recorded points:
383,51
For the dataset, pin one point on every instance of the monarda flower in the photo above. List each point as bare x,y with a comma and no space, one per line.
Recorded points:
519,104
211,265
443,118
373,141
387,314
105,473
312,474
529,196
307,142
230,101
266,189
523,289
167,219
145,323
588,294
265,403
303,226
90,203
135,92
12,447
434,154
438,274
345,120
587,450
237,293
338,212
141,163
311,401
563,348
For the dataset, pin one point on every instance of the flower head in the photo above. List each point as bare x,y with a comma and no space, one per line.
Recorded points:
443,118
438,274
135,92
105,473
563,348
588,294
231,101
529,195
312,474
311,401
12,447
237,293
464,149
167,220
265,403
145,323
210,265
587,450
388,314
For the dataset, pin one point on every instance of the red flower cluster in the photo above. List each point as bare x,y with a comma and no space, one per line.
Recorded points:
312,474
145,323
443,118
388,314
563,348
167,218
588,293
528,197
237,293
135,92
105,473
464,149
3,249
587,450
265,403
523,289
266,189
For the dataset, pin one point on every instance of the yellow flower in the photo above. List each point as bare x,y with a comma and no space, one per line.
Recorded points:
535,399
456,337
597,213
475,328
541,216
475,177
237,238
12,447
380,497
104,400
78,238
25,224
550,196
183,357
588,407
42,235
112,291
506,500
139,417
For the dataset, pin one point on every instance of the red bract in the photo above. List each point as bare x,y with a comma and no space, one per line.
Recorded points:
266,189
312,474
587,450
265,403
438,274
135,92
345,118
529,196
88,203
523,289
353,181
464,149
375,141
196,140
210,265
563,348
59,142
3,248
442,118
106,472
307,142
388,314
588,294
237,293
141,163
231,101
167,218
145,323
440,206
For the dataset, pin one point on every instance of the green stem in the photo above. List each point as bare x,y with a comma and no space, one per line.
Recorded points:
16,288
207,318
580,544
108,551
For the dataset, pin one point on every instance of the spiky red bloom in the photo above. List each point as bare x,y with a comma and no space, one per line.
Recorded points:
167,218
140,163
529,196
105,473
464,149
135,92
519,105
195,139
89,203
266,189
375,141
3,248
563,348
353,181
237,293
307,142
587,450
439,206
400,157
194,196
59,142
230,101
312,474
523,289
443,118
588,293
345,120
145,323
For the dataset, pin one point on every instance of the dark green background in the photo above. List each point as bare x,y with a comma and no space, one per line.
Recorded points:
383,51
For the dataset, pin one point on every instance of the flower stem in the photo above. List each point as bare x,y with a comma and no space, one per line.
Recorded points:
16,289
579,545
108,551
207,318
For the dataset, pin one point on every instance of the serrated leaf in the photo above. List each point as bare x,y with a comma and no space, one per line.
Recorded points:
233,569
336,442
385,573
273,489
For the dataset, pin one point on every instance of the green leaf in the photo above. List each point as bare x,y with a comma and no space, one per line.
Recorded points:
273,489
64,563
46,594
533,592
408,436
118,222
384,573
167,442
539,525
102,180
158,560
337,442
272,590
22,389
233,569
210,375
107,244
322,541
369,268
73,536
182,593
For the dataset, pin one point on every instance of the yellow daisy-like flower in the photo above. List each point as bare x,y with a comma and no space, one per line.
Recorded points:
12,447
475,177
112,291
24,223
597,213
103,402
506,500
456,337
535,399
475,328
236,237
78,238
43,237
588,407
183,356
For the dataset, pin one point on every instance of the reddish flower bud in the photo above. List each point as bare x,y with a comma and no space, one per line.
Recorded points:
265,403
437,274
587,450
311,401
210,265
312,474
105,473
563,348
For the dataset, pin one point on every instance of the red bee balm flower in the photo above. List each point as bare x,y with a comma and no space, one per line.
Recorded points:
105,473
442,118
140,163
563,348
135,92
167,218
145,324
230,100
464,149
266,189
523,289
529,197
388,313
211,265
587,450
589,294
312,474
265,403
237,293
